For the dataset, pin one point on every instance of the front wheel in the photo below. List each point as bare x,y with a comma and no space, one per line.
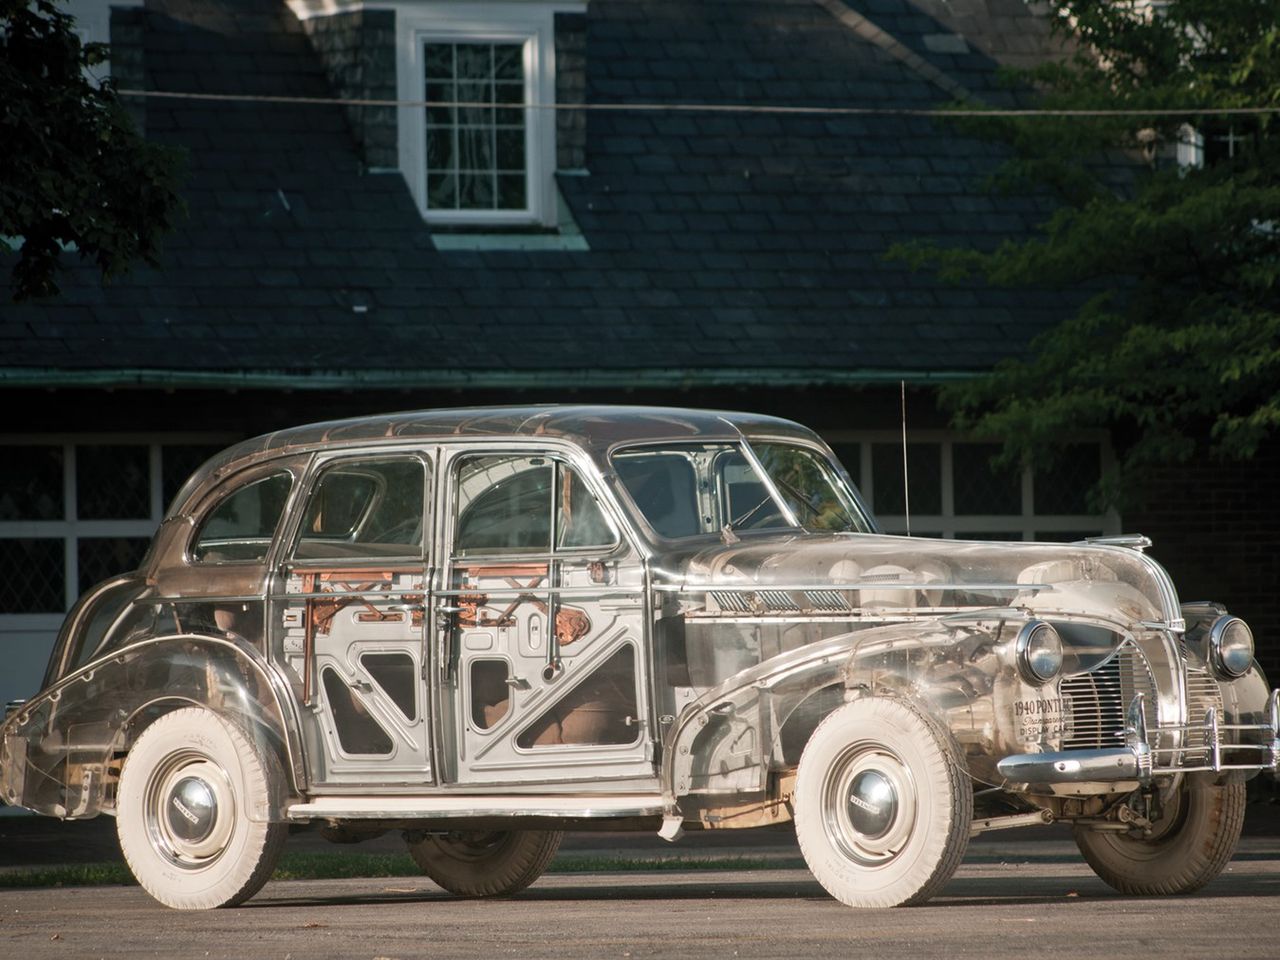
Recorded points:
485,863
883,804
1189,845
182,812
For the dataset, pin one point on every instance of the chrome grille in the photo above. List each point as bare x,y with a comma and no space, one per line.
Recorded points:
1099,699
826,600
1202,694
732,600
777,600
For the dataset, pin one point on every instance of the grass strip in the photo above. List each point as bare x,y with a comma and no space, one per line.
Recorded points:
351,865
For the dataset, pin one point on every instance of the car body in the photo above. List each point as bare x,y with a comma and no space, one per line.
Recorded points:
485,626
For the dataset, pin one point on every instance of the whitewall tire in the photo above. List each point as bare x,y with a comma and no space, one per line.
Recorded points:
182,812
883,804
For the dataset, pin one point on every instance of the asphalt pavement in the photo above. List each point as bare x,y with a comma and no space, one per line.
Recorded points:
1008,901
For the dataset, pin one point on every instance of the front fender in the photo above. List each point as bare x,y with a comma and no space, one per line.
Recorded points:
58,752
726,741
964,673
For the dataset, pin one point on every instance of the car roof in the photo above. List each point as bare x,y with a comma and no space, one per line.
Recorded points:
595,428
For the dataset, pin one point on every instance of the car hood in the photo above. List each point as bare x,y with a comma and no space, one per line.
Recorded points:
896,573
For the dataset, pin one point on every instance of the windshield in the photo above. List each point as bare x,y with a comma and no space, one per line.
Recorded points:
690,489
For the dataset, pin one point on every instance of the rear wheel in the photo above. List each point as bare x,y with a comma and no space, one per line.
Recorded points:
1188,846
183,811
883,804
484,863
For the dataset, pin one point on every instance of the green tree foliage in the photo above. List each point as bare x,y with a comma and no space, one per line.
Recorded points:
1176,348
75,170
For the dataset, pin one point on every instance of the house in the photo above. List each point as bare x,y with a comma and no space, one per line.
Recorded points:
346,256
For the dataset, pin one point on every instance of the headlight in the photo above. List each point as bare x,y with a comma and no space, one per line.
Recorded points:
1231,646
1039,652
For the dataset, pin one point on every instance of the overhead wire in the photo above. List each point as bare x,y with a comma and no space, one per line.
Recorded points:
736,108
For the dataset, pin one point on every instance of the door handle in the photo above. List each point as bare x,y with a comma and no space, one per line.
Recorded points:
406,608
444,608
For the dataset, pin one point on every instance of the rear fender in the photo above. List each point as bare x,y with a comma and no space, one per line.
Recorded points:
59,753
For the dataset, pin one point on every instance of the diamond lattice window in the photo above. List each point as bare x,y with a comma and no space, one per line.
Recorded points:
980,488
32,575
113,482
31,483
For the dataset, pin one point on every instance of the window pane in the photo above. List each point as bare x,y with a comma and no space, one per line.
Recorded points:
808,485
439,149
439,59
32,576
924,476
748,503
463,155
508,62
511,192
100,558
1065,488
241,526
511,150
980,488
113,483
504,505
579,520
31,483
441,93
665,488
476,191
369,508
442,191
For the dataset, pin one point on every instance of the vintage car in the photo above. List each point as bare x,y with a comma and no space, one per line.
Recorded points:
485,627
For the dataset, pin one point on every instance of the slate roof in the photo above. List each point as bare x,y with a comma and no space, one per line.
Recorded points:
723,248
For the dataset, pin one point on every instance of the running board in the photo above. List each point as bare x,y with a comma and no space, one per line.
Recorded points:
451,805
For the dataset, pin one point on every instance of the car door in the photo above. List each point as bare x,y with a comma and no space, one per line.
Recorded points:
352,618
542,658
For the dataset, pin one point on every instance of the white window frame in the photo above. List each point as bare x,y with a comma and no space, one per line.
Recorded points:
36,631
459,21
1020,526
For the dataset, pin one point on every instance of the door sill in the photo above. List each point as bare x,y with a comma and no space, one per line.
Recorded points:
472,806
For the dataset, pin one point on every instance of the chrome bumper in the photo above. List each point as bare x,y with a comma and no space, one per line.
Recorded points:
1138,760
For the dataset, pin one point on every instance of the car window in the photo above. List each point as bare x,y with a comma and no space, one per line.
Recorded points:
665,488
510,504
365,508
810,486
240,527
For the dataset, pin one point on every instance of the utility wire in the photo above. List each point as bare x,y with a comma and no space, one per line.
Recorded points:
741,108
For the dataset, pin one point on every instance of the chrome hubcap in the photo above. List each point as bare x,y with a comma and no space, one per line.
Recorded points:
869,804
873,804
190,810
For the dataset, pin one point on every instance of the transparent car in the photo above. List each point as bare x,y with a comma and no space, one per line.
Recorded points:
485,627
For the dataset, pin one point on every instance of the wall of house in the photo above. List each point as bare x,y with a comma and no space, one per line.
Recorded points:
1216,529
358,50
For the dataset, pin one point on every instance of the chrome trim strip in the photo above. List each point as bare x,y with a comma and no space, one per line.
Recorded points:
455,806
854,585
1070,766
